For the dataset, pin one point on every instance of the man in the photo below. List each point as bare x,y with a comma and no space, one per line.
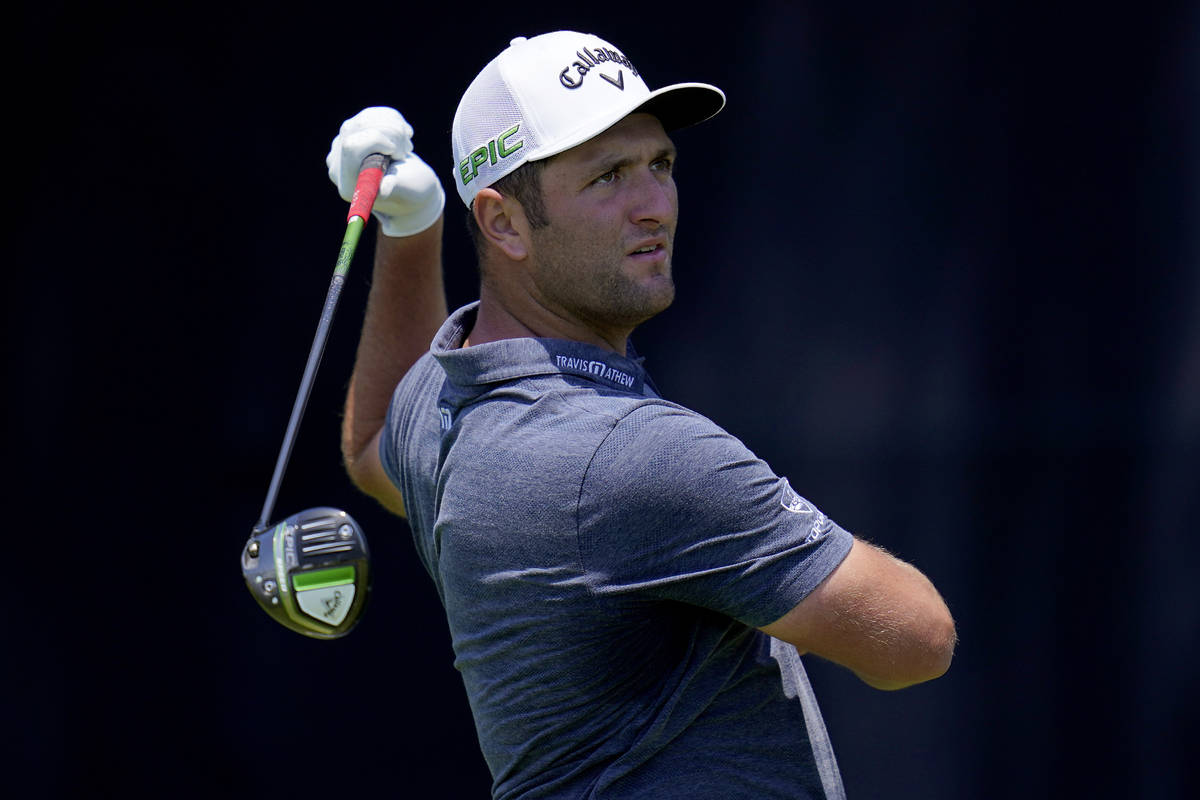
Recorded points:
627,587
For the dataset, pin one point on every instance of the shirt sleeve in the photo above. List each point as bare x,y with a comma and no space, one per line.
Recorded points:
673,507
405,439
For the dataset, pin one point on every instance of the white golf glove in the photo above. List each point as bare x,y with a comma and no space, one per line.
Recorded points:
411,197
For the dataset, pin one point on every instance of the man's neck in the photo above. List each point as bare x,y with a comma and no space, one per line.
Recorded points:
496,319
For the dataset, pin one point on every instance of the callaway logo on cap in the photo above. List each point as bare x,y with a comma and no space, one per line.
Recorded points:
544,95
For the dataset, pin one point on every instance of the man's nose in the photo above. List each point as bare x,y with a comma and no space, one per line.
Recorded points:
655,200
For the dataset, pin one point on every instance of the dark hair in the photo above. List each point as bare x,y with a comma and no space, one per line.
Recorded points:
524,184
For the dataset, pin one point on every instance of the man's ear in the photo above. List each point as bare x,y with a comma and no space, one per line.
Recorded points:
503,223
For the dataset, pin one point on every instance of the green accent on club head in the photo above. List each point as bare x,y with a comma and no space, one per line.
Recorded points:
287,603
321,578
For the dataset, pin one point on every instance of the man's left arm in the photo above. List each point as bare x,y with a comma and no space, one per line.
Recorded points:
405,307
876,615
701,520
407,300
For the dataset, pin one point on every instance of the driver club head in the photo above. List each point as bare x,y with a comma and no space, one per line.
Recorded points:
310,572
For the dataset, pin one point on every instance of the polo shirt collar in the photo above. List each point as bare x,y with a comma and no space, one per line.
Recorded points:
509,359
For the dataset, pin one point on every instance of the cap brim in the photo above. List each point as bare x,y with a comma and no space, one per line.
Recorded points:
676,106
683,104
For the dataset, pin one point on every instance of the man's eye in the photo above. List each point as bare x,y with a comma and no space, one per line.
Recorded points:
607,177
663,165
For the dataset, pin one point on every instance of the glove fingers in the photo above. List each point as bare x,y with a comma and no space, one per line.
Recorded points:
377,117
409,177
410,196
373,130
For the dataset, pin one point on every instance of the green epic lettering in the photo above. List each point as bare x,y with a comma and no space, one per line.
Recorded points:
492,152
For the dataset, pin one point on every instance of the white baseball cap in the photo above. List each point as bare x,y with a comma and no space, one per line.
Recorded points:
547,94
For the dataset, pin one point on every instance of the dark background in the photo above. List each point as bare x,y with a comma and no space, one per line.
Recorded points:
938,264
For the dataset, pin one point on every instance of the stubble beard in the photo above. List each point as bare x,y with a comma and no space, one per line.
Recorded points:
593,286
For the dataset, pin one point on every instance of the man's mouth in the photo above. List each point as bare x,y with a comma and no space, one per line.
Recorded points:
649,248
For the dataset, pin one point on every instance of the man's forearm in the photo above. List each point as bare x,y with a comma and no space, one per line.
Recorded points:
406,305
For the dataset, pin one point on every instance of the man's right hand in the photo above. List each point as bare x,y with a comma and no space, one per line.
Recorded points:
411,197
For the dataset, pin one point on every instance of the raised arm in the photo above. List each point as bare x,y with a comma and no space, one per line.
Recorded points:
406,305
407,300
877,616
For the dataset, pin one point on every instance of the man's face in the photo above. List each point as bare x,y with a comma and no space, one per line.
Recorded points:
604,259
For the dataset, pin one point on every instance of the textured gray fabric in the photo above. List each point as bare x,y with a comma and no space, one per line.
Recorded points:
603,557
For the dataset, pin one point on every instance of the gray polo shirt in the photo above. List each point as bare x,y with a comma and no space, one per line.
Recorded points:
604,557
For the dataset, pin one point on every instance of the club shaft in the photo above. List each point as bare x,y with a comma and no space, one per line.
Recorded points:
367,187
349,244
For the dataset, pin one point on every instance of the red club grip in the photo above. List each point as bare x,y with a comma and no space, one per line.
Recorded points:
367,187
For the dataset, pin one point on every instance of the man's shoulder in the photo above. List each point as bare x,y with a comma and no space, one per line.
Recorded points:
650,421
620,418
590,418
423,368
419,388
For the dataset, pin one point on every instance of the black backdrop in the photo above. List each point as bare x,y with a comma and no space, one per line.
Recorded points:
937,264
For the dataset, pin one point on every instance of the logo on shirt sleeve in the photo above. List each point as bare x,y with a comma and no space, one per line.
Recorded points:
796,504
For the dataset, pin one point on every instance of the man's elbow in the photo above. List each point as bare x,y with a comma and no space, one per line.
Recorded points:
366,472
927,656
357,470
945,641
354,466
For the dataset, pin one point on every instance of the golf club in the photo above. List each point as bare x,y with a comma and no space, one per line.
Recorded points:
311,572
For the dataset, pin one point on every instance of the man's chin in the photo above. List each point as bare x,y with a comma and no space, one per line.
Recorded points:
655,300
